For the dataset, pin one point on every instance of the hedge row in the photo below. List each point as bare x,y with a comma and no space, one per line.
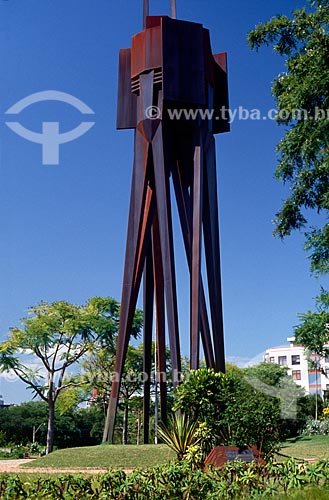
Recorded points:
177,481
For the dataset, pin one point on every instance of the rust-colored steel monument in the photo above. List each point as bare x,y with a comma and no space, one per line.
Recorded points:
171,67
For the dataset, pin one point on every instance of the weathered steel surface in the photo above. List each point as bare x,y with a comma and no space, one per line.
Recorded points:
146,51
221,454
126,112
220,121
145,12
183,69
171,65
162,188
197,188
184,210
160,315
147,338
212,251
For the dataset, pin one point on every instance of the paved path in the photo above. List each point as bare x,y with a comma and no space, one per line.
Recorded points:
14,466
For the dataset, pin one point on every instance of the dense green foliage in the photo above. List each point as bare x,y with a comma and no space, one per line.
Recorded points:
235,480
268,373
76,427
302,97
275,376
236,412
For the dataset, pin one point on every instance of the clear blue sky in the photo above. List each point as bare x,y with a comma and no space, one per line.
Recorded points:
63,228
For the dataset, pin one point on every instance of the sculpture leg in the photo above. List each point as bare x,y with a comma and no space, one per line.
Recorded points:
140,214
148,323
160,317
197,188
161,178
212,251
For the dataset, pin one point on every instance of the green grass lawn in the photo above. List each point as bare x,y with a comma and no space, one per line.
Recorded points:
306,447
305,494
105,456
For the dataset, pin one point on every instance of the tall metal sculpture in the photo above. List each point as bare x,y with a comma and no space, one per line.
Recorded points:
171,69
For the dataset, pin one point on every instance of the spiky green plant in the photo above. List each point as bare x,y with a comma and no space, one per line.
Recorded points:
179,434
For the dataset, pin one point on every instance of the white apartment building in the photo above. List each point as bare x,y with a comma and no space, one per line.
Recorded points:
293,356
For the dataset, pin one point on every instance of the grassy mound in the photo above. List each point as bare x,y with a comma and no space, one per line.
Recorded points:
105,456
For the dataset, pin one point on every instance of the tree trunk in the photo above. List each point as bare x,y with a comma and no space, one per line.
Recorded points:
316,392
51,426
125,425
138,426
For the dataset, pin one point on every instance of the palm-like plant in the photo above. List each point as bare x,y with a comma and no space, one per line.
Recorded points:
179,434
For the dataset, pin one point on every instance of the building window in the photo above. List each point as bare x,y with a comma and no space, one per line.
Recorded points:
295,359
282,360
326,359
296,375
327,387
272,360
327,372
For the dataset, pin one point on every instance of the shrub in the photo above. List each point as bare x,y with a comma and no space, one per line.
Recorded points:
233,410
316,427
179,435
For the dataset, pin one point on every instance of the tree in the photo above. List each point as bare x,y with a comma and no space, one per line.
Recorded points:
293,401
313,330
268,373
313,334
97,374
302,97
53,339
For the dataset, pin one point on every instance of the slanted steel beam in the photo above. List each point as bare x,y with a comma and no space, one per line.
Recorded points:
145,12
173,9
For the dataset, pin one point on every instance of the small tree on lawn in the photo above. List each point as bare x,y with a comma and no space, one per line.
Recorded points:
52,339
313,334
313,330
